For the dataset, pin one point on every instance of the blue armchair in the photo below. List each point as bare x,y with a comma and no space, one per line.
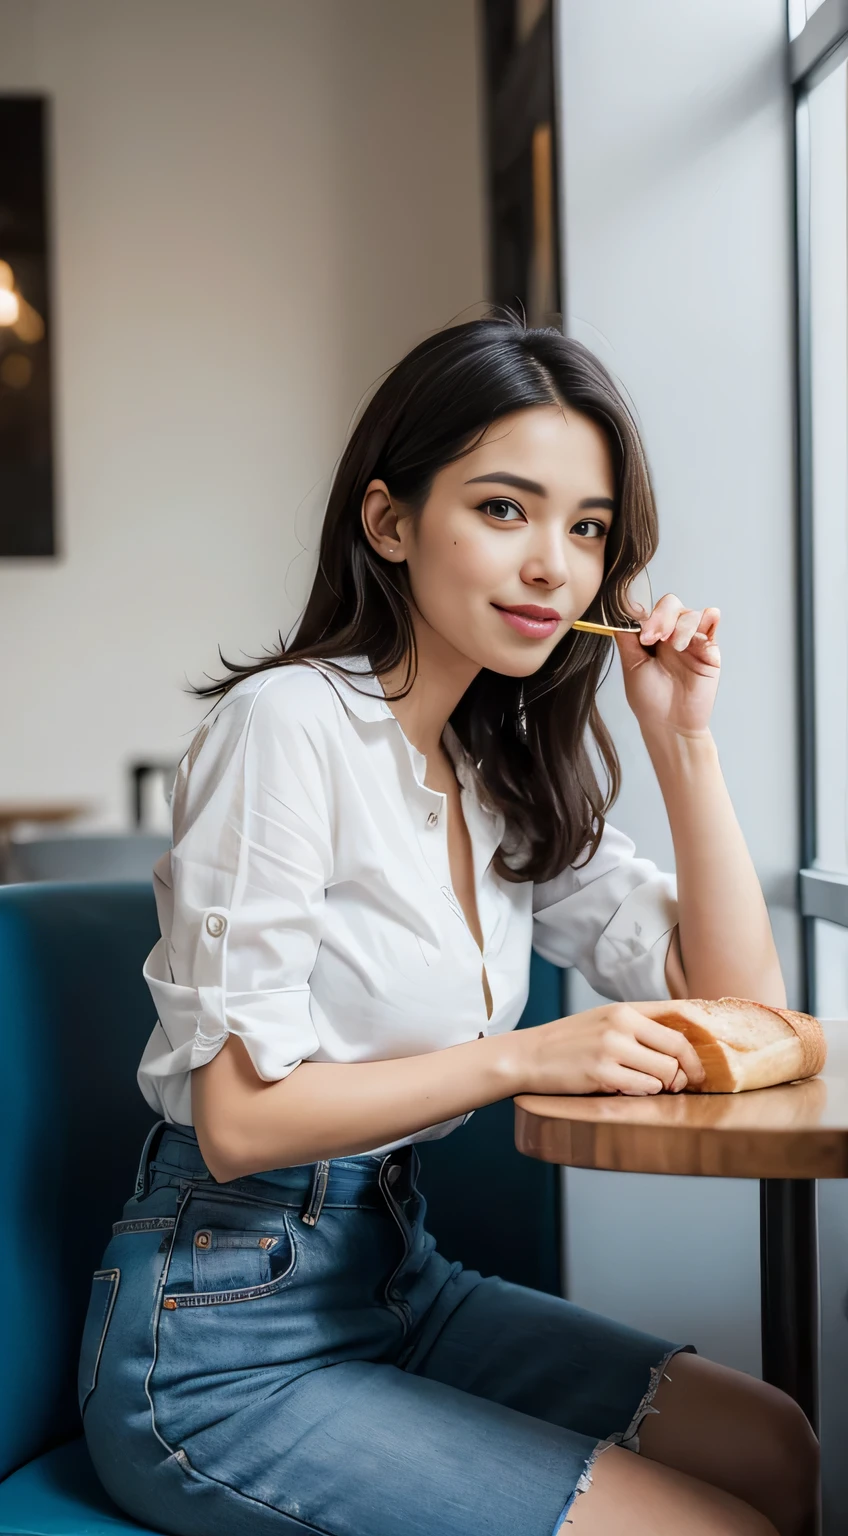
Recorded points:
74,1018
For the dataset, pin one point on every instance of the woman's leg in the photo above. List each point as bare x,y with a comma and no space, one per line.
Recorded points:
706,1424
631,1496
739,1434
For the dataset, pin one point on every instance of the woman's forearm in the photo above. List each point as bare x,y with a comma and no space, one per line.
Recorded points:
325,1109
726,942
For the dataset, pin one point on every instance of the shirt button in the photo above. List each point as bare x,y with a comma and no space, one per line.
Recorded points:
216,925
433,819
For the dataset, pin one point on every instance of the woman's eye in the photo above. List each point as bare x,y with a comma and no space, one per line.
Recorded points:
500,510
598,530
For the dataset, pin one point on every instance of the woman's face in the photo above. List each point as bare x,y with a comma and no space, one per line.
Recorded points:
509,547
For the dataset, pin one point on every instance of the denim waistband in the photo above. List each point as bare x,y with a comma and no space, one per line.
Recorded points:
173,1150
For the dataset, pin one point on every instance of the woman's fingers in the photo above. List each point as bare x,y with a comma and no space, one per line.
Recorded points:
641,1058
672,620
637,1084
671,1042
685,629
662,621
710,619
681,1081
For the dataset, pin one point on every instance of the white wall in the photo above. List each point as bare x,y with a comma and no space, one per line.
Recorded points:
258,206
678,249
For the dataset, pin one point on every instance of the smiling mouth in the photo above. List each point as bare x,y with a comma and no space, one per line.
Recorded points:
529,611
528,619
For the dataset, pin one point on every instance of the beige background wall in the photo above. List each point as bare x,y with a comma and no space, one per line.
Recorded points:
257,208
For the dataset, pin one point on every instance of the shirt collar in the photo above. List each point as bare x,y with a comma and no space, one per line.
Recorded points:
365,699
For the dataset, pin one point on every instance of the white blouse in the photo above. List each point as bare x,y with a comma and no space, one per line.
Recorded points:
306,904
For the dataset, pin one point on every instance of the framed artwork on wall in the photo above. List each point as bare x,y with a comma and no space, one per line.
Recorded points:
27,520
522,159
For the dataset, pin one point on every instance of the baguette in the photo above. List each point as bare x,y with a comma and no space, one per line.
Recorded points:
743,1044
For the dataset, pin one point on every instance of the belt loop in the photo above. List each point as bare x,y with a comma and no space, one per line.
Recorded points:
146,1156
317,1192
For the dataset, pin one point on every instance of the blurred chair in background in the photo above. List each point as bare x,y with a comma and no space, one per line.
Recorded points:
76,1013
15,814
89,856
68,855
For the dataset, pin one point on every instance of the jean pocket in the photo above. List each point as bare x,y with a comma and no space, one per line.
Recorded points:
104,1289
231,1265
224,1260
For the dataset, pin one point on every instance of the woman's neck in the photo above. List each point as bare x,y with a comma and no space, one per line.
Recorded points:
442,677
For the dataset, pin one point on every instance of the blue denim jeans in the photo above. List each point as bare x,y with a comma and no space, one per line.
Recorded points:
288,1354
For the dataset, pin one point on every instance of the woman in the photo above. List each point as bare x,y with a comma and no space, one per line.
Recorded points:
368,836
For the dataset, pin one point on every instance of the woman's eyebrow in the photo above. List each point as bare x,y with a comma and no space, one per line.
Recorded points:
504,477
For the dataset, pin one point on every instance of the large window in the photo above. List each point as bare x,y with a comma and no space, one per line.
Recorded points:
820,69
800,12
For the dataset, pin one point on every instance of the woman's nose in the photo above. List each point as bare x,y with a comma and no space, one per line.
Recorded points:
547,564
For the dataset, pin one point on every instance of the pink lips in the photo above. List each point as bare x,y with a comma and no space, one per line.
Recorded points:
527,619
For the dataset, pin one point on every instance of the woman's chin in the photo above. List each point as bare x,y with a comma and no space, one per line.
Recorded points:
518,663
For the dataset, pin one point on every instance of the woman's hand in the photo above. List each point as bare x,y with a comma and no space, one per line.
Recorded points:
617,1048
672,668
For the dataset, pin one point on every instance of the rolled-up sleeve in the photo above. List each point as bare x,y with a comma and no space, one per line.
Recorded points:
241,896
613,920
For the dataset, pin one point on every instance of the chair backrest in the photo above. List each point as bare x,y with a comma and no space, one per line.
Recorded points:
90,856
75,1014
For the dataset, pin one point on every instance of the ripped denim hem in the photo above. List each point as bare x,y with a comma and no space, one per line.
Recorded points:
628,1439
583,1484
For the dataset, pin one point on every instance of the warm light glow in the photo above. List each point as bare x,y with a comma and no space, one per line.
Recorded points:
10,307
29,326
7,276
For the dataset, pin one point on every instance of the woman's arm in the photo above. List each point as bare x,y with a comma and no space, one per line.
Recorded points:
725,937
329,1109
724,942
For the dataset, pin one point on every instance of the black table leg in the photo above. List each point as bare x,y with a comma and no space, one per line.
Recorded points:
789,1277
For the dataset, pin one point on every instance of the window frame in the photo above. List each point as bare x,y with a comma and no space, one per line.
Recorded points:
818,48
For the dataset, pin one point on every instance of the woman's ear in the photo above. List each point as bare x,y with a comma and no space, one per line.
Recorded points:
383,523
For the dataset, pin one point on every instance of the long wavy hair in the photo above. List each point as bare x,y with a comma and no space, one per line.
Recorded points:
528,736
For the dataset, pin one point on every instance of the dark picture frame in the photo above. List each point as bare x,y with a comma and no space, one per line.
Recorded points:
522,158
27,499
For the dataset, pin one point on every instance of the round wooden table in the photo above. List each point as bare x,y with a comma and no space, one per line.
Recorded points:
786,1137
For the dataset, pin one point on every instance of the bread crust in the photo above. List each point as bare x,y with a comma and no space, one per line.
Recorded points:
727,1066
811,1036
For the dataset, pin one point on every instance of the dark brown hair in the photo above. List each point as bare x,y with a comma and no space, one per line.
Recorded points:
527,736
